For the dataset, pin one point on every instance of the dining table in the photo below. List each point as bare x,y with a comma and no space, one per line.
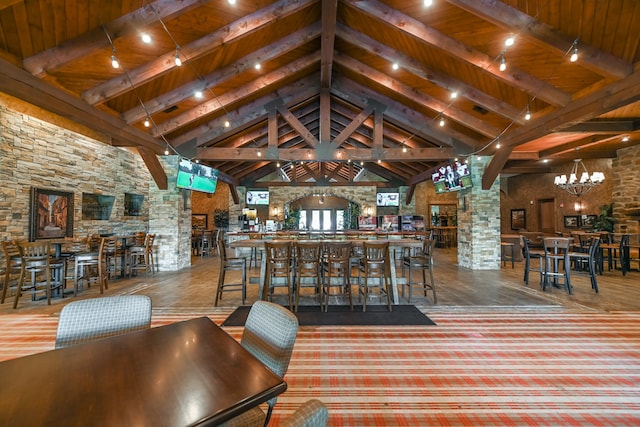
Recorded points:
394,244
189,373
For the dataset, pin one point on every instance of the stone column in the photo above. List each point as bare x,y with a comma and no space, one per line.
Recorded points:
479,221
170,220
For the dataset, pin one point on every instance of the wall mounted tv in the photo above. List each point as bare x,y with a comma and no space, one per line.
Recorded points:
388,199
255,197
452,176
194,176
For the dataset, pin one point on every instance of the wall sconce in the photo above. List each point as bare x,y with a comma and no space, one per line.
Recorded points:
577,206
368,211
276,211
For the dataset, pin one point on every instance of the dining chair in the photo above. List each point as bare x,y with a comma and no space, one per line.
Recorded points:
13,260
97,318
336,265
588,261
279,270
312,413
228,263
88,267
420,259
375,268
269,334
556,251
308,270
39,272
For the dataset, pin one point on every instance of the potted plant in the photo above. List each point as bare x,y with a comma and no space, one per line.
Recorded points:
221,219
604,221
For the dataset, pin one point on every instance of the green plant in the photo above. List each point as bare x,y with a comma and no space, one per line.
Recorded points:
221,219
605,221
292,220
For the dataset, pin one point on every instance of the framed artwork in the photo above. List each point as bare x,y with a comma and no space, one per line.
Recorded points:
50,214
200,221
571,221
587,221
518,219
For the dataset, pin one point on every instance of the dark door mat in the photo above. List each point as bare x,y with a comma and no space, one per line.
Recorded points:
339,315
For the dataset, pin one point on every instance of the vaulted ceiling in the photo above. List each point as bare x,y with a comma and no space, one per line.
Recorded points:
327,100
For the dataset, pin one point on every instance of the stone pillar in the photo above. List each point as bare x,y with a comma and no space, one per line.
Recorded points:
479,221
626,190
170,220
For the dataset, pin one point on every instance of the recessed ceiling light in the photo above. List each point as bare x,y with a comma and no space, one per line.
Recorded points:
395,66
509,41
198,94
146,38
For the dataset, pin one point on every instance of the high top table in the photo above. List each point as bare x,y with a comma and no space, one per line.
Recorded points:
188,373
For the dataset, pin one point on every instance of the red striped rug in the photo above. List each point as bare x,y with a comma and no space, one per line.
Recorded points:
478,367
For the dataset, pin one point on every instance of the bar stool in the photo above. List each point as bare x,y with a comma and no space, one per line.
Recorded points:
556,250
336,264
141,256
421,259
375,268
307,266
279,270
89,268
588,261
228,263
45,274
531,254
13,258
254,251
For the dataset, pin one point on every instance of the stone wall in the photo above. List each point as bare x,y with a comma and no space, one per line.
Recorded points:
479,222
626,190
37,153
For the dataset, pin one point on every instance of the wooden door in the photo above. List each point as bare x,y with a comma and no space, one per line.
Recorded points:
547,215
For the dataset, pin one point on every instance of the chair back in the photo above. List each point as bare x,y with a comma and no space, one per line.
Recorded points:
94,242
338,251
312,413
35,254
308,257
269,334
12,254
278,257
97,318
139,238
375,252
150,238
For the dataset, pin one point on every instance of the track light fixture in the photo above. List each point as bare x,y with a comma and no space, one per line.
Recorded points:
442,121
574,54
146,38
147,122
503,63
114,60
166,151
227,123
527,115
177,59
428,3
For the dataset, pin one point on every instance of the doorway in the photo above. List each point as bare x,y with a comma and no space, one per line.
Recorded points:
547,215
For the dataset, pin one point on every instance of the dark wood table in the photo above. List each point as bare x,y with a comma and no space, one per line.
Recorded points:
183,374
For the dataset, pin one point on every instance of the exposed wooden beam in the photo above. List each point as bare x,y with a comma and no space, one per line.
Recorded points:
615,95
450,46
424,72
378,184
58,56
234,96
329,10
522,24
355,124
243,27
415,95
295,124
605,126
210,81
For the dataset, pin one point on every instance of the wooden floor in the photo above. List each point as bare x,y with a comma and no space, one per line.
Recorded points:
193,289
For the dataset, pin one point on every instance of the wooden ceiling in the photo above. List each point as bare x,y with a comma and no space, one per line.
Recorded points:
327,104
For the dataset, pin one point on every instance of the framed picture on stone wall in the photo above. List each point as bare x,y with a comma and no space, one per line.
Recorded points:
50,214
200,221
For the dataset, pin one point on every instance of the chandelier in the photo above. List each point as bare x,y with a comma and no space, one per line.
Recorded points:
580,186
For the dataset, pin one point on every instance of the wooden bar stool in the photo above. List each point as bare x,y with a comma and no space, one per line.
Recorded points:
336,264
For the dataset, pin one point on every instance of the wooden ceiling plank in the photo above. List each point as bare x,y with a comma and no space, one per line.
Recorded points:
615,95
17,82
422,71
249,114
295,124
403,116
173,97
164,63
514,77
417,96
520,23
230,97
52,59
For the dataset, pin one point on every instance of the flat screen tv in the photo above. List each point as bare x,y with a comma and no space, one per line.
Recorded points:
452,176
195,176
257,197
388,199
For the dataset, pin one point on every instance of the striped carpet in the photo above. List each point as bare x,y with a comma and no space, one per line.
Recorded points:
478,367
